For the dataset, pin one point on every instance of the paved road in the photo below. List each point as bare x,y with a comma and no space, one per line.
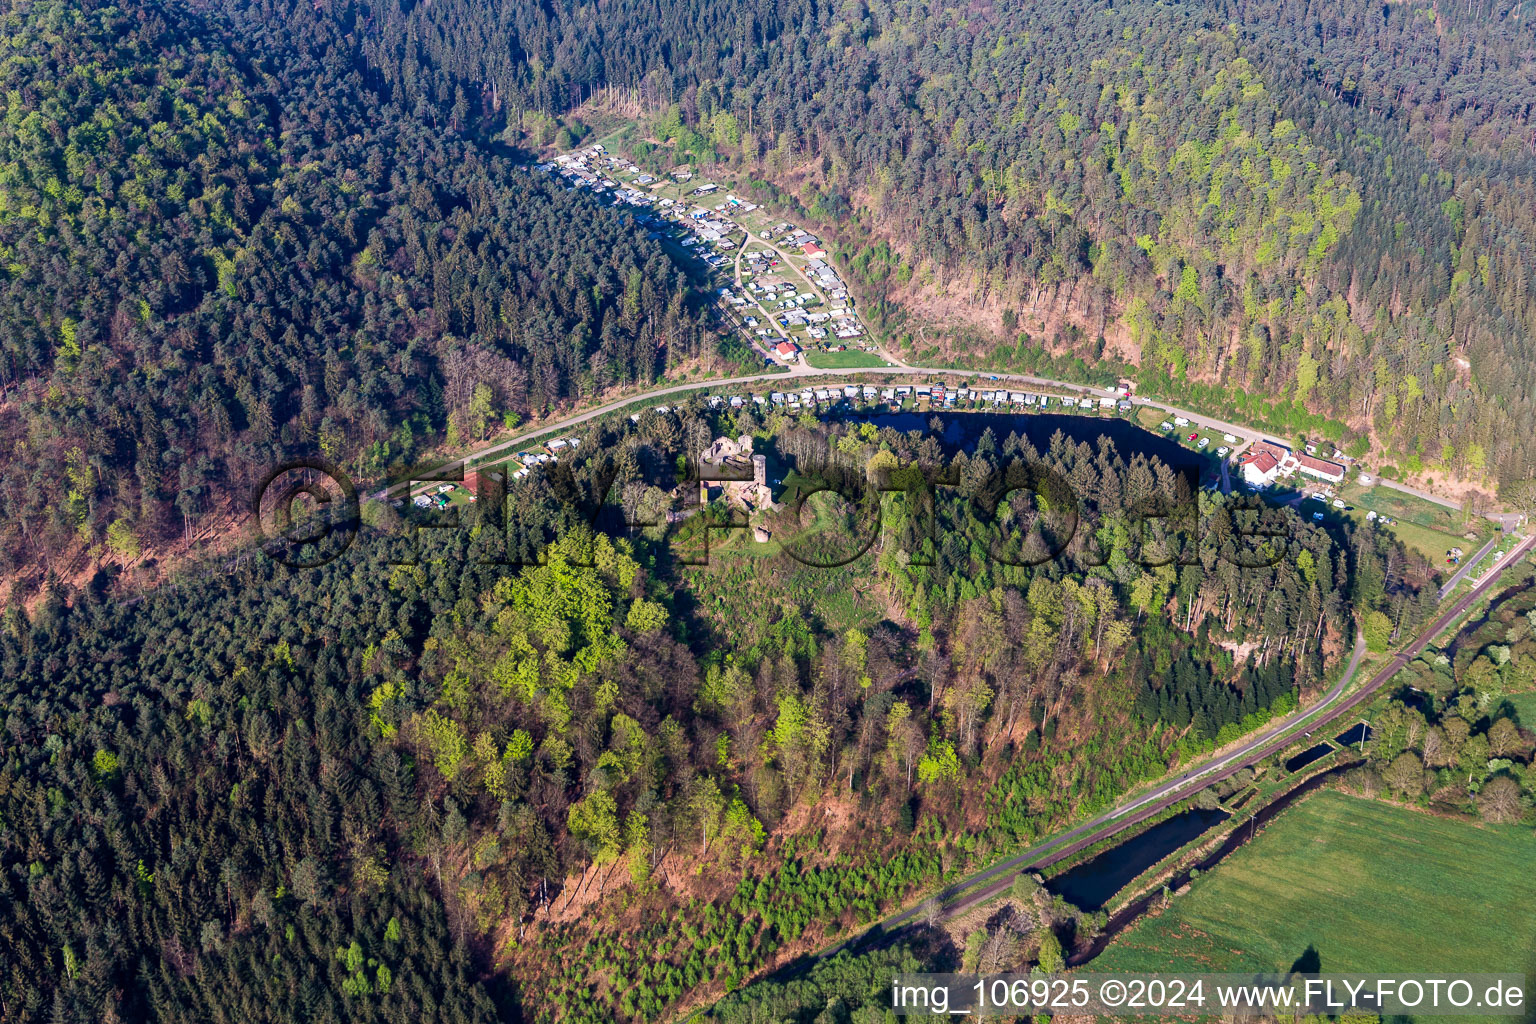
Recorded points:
790,265
1245,435
1418,493
768,317
1110,822
1470,563
1333,705
799,373
1507,520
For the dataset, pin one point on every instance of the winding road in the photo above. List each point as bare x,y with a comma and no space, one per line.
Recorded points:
994,879
1110,823
985,884
799,373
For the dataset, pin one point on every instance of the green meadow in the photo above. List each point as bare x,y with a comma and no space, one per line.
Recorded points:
1369,886
1525,707
847,359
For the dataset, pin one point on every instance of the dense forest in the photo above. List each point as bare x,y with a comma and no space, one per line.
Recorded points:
1453,737
418,784
553,765
1328,206
223,245
279,227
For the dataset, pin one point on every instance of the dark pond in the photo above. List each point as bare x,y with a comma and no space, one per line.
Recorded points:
1416,699
964,429
1357,733
1094,883
1127,915
1307,756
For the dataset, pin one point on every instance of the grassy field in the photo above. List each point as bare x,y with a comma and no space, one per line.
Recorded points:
1525,707
842,360
1432,544
1423,525
1369,886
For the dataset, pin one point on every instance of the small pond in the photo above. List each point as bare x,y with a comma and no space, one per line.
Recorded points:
1307,756
1094,883
964,429
1357,733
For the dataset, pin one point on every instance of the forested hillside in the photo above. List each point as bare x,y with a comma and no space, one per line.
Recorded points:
224,244
245,229
454,788
1324,205
552,766
1458,734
